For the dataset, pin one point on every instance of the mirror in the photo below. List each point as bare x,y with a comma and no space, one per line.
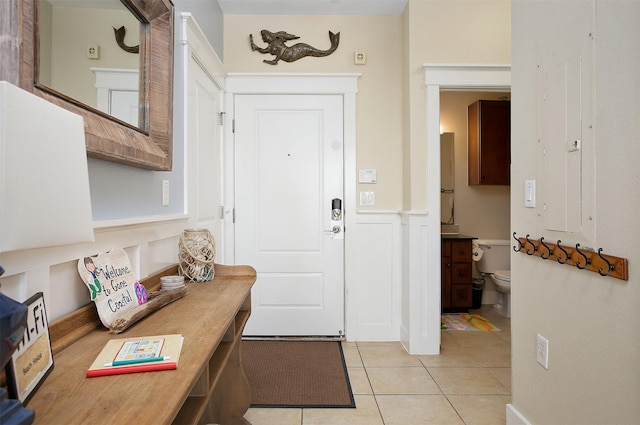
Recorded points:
147,145
446,178
80,58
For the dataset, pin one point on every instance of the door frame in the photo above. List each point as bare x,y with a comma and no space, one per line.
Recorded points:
460,77
344,84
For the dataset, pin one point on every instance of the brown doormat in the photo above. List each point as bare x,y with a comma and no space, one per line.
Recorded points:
296,374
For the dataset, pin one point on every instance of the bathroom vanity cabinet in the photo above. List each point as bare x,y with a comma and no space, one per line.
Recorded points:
456,281
489,153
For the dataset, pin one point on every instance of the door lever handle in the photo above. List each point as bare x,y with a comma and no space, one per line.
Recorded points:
335,229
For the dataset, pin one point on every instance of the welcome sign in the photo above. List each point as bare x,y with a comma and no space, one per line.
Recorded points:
112,284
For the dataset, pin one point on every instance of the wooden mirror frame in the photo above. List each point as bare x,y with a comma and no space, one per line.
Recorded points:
107,138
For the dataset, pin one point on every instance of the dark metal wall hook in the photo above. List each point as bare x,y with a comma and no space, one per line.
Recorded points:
519,243
566,254
549,250
535,248
587,261
610,267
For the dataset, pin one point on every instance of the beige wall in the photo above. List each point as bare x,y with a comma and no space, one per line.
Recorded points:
391,113
481,211
591,322
379,98
441,31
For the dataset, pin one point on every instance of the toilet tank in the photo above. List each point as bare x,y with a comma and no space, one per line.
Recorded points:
495,255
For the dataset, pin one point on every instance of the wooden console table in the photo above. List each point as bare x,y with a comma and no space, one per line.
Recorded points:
209,385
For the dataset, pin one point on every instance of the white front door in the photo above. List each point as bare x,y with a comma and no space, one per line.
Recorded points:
289,176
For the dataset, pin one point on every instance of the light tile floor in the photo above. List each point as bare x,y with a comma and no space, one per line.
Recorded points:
469,383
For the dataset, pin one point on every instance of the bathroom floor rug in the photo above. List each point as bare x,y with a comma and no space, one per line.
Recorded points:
465,322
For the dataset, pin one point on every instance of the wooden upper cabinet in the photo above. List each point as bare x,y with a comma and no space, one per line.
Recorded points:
489,142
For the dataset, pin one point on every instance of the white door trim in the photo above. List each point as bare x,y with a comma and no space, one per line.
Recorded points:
302,83
467,77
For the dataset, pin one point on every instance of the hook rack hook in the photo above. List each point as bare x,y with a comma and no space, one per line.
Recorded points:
610,267
549,250
566,254
520,246
535,248
586,259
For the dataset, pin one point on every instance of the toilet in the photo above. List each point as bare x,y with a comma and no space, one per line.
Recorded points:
493,258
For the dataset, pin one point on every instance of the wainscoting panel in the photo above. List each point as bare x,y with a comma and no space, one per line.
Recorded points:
420,327
378,270
150,246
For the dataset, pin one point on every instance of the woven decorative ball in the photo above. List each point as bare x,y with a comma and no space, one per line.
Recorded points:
196,254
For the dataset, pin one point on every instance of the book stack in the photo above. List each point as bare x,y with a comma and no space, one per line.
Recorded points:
138,354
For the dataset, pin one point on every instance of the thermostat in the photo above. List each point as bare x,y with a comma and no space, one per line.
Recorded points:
367,176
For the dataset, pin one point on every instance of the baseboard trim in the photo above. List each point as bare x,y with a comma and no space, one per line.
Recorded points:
514,417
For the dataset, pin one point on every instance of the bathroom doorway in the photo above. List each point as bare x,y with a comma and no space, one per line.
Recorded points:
437,78
479,211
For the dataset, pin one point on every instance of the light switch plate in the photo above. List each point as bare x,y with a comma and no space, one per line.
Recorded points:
367,199
165,192
530,193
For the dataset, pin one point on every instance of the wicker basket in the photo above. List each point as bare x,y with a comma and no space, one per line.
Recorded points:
196,254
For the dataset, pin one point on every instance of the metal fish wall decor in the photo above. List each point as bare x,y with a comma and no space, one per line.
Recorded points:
276,46
120,33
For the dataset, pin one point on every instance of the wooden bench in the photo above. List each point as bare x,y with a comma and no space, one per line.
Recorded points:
209,385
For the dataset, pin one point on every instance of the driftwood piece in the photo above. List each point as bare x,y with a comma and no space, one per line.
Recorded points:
157,300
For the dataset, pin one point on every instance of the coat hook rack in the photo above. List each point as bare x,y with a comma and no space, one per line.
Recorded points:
581,257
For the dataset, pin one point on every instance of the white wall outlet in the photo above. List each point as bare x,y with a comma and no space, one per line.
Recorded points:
542,351
367,199
165,192
360,57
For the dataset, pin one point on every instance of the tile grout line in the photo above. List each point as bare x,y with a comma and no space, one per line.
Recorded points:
442,391
373,393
